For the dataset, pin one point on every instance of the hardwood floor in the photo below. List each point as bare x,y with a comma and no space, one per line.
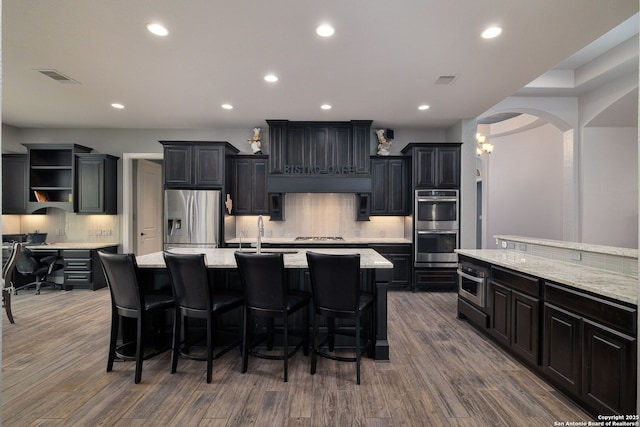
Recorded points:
442,372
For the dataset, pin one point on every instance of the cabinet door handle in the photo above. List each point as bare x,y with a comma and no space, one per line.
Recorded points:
142,234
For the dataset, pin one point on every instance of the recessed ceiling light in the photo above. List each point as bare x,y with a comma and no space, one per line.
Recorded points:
491,32
157,29
325,30
423,107
325,107
227,106
271,78
117,105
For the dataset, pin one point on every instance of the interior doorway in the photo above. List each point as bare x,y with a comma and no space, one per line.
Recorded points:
147,207
128,237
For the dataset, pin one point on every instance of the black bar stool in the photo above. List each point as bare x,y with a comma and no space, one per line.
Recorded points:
128,300
266,295
195,298
335,282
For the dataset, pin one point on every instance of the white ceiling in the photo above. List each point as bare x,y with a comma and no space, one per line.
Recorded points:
380,65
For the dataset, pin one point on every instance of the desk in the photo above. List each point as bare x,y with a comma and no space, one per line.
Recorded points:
82,268
376,273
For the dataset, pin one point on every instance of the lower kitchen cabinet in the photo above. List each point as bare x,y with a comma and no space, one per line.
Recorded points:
435,279
82,269
590,349
400,256
514,301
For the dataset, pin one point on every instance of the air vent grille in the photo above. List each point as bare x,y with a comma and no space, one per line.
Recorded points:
57,76
445,80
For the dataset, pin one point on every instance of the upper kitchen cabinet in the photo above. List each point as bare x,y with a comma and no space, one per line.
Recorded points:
249,185
320,147
390,189
319,157
14,184
52,175
199,165
96,184
435,165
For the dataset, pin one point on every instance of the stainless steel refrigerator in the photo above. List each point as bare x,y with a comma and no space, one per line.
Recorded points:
191,218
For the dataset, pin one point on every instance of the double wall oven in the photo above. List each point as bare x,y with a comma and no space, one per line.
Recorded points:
437,229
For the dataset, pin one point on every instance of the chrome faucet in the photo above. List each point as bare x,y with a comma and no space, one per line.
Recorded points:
260,233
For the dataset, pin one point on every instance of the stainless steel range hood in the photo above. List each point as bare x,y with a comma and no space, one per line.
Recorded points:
318,184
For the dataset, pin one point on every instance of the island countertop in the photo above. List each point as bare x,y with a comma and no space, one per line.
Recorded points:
293,257
620,287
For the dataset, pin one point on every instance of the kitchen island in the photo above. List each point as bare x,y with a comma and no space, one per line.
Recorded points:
223,270
573,324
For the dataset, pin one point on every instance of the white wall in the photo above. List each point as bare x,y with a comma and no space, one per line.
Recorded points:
610,186
524,175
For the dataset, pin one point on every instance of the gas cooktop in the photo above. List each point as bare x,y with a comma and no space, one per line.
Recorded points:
322,238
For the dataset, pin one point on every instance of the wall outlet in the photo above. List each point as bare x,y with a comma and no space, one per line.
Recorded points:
511,245
522,247
106,232
576,256
503,245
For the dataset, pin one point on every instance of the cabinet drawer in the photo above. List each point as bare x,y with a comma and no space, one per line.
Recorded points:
76,253
78,278
525,284
615,315
77,264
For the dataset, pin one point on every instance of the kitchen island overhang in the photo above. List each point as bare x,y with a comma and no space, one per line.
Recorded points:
222,266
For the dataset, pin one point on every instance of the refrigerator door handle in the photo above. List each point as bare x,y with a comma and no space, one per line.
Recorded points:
189,216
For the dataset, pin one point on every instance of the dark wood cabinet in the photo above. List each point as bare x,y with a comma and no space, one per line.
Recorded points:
199,165
562,358
590,349
434,279
514,301
52,175
326,147
96,184
400,256
390,192
14,184
435,165
249,185
82,269
609,361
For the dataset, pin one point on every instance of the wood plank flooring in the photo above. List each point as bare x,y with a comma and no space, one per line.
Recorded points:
442,373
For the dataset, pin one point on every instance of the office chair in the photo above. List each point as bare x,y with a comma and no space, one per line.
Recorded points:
7,279
41,268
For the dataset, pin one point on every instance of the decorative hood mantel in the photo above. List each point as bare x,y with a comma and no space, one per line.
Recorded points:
319,157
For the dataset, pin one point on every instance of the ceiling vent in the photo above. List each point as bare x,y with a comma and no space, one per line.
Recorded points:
57,76
445,80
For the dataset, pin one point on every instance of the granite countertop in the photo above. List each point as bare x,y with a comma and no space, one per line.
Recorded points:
346,241
70,245
224,258
612,285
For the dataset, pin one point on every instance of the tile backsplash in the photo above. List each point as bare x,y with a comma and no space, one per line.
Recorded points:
574,253
324,214
65,227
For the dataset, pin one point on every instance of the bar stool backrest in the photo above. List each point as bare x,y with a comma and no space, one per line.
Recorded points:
189,279
335,281
263,280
